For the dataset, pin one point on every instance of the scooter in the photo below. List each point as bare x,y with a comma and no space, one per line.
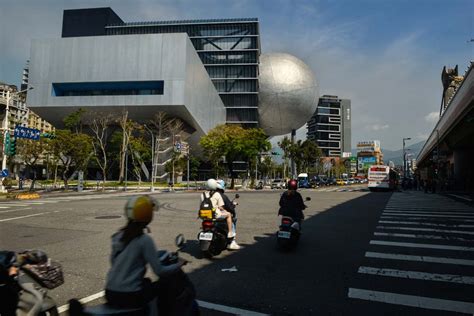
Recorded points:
36,273
213,236
289,232
176,294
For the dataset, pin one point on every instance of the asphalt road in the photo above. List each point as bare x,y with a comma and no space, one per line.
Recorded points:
326,275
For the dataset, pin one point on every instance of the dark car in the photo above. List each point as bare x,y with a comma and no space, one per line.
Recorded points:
332,181
318,182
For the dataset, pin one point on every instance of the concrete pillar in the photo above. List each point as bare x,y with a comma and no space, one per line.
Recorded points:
464,169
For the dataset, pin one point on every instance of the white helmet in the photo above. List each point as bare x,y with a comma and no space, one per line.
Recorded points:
221,184
211,184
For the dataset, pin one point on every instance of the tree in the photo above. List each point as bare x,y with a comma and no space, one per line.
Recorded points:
140,152
72,150
233,142
100,126
31,151
127,127
73,121
285,145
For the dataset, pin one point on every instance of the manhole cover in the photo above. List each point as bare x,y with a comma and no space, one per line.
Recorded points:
108,217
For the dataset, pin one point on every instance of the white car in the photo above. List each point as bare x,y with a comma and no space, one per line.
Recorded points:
278,184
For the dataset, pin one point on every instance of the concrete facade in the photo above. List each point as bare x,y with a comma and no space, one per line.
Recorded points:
188,92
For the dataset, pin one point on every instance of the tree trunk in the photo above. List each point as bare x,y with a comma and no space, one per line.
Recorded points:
231,170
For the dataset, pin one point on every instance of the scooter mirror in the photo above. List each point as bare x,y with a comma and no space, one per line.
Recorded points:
237,196
308,198
180,241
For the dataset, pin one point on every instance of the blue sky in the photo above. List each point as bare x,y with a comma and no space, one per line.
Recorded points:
386,56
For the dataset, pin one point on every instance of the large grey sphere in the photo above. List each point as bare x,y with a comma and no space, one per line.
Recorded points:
288,94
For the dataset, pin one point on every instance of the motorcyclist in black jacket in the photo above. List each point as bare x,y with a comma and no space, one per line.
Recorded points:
229,206
291,202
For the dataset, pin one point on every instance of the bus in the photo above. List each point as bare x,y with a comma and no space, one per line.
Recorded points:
382,178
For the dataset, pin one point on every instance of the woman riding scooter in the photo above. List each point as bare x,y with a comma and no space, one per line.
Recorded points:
291,203
132,250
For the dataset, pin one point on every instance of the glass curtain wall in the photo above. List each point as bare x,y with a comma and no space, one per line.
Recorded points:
229,50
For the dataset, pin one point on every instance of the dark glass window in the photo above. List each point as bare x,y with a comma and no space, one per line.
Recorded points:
329,144
328,127
235,85
322,110
234,115
232,71
67,89
228,57
240,100
225,43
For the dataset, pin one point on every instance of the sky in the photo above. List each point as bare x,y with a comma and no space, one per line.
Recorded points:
384,55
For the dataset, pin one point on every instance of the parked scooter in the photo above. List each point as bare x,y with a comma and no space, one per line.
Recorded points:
176,294
289,232
213,236
35,274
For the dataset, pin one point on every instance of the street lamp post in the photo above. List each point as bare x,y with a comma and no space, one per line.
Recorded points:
152,189
404,158
6,128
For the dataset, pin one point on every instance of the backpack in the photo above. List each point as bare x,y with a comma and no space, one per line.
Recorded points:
206,210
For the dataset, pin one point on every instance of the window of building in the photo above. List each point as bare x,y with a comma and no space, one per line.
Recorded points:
67,89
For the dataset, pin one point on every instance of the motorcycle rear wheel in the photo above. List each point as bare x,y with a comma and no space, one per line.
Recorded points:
50,312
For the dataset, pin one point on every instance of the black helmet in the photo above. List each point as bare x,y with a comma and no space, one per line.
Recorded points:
292,184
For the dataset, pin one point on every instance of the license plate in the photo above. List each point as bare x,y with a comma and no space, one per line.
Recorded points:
205,236
283,234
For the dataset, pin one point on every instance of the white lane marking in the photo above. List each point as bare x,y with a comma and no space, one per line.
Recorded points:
461,197
84,300
428,212
437,208
15,204
426,224
222,308
20,217
228,309
417,217
417,245
4,206
394,256
403,274
16,210
421,236
427,230
412,300
426,215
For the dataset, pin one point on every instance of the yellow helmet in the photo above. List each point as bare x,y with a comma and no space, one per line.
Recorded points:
140,208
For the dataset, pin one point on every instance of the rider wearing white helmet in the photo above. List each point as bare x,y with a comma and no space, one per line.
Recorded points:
229,207
132,250
218,204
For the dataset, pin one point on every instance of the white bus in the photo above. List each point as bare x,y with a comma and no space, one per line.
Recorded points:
382,178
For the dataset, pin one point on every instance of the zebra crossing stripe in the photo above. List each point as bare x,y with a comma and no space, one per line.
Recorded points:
427,230
417,217
393,256
426,224
412,300
450,278
417,245
429,212
428,215
421,236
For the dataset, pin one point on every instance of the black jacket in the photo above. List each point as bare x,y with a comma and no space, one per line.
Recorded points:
228,205
292,205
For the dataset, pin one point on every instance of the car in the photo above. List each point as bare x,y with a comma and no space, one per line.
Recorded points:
340,182
351,181
278,184
318,182
331,181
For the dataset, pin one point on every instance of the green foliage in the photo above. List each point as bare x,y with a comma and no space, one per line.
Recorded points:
233,142
30,151
304,154
73,121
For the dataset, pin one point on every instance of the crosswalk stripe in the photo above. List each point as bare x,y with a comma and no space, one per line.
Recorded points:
417,217
417,245
20,217
394,256
427,230
438,277
412,300
430,212
425,224
421,236
16,210
14,204
428,215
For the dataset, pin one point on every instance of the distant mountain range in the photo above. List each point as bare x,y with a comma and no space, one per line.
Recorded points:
397,155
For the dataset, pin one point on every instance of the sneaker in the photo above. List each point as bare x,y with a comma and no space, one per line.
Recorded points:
233,245
231,234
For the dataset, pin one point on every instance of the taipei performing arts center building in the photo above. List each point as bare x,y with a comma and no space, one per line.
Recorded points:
205,72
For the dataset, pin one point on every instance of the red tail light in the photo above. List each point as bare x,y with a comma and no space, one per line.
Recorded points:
286,221
207,224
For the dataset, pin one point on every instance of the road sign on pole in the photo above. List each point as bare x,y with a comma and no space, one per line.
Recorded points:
4,173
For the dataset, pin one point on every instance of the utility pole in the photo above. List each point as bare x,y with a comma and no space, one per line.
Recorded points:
405,158
187,167
6,129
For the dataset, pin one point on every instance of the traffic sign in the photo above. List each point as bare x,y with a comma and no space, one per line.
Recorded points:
4,173
25,132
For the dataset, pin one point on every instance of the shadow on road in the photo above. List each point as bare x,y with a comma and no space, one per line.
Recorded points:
312,279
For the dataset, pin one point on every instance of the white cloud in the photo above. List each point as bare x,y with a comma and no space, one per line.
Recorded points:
432,117
378,127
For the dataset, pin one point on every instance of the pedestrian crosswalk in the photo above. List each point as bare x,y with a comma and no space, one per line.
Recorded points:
343,189
421,256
